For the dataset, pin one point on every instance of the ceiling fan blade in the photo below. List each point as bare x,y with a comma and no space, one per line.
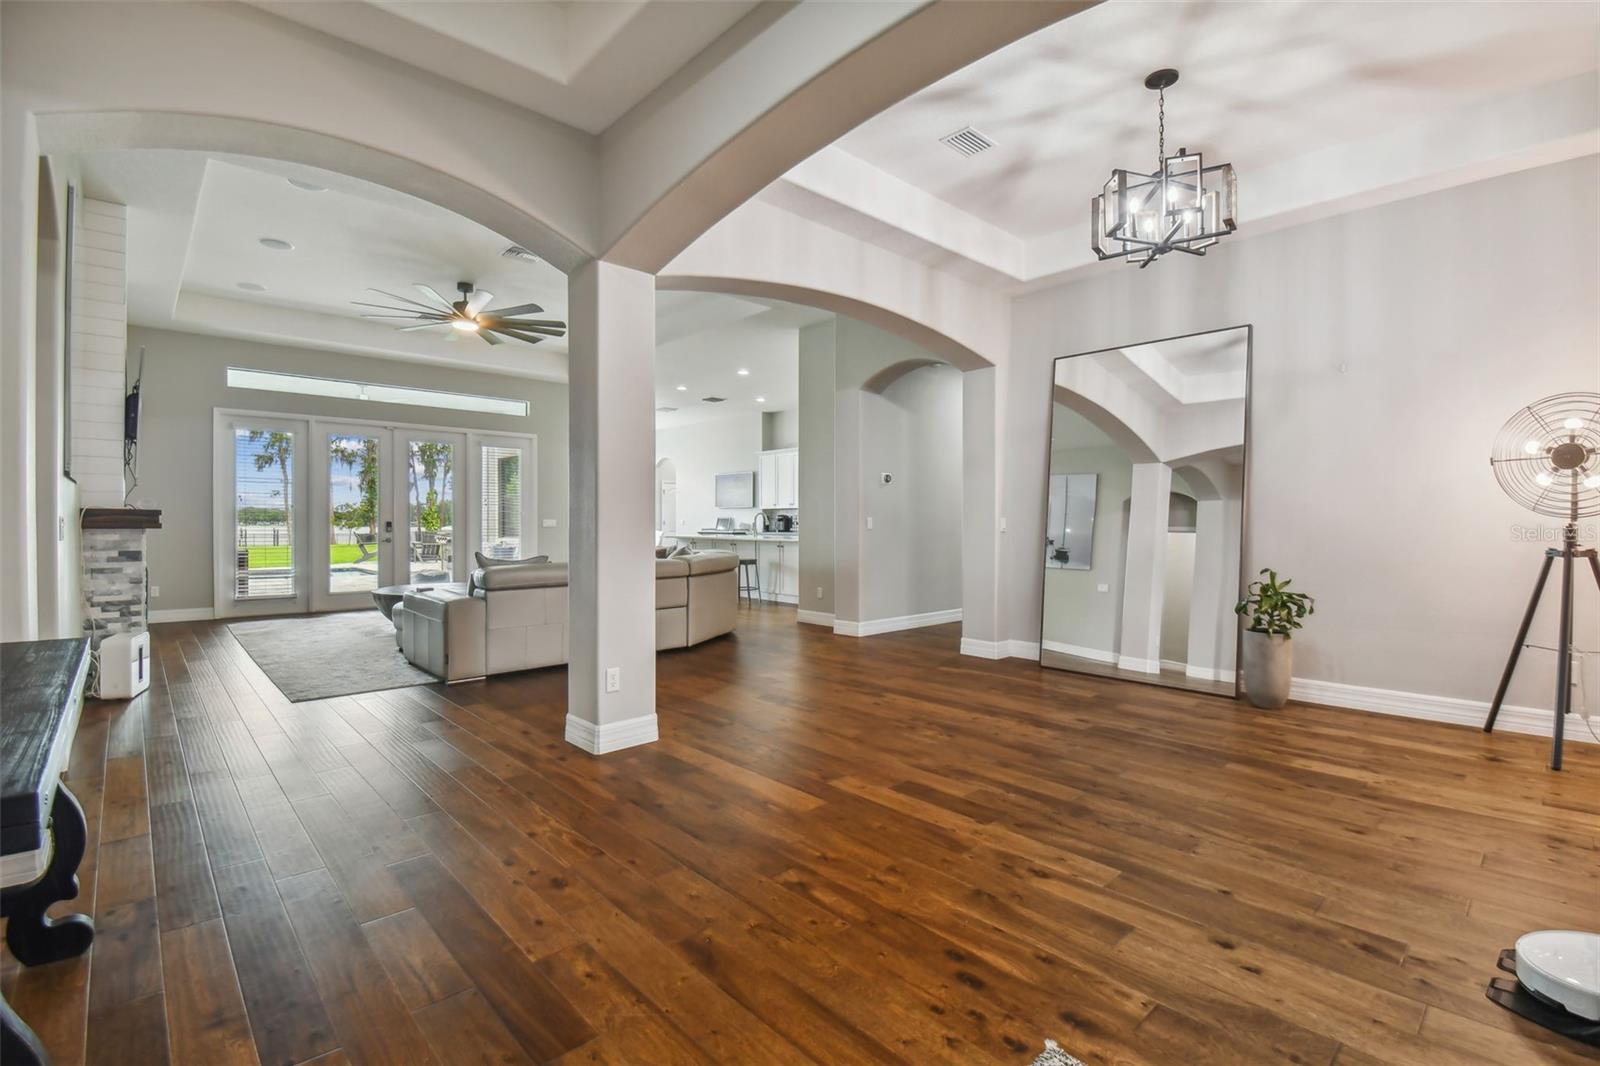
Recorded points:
520,309
402,299
490,337
427,290
547,323
399,310
547,331
478,301
420,325
526,338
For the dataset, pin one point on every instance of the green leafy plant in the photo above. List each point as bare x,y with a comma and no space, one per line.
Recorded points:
1272,607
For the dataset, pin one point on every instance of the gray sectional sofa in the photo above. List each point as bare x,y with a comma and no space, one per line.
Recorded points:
514,617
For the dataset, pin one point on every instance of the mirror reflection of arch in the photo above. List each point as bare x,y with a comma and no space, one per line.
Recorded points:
1145,511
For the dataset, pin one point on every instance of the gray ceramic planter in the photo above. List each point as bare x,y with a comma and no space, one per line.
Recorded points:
1268,668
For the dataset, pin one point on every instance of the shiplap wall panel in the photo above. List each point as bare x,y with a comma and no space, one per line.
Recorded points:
99,349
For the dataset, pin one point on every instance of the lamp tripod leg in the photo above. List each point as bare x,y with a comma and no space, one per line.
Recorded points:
1522,636
1564,650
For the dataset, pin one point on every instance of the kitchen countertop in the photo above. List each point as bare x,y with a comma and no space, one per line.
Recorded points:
782,538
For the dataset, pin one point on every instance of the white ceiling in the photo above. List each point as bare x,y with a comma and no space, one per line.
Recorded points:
195,223
731,334
580,62
1299,96
1260,83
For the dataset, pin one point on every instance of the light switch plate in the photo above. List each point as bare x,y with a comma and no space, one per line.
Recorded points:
548,523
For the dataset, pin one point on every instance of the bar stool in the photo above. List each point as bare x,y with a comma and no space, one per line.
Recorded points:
750,574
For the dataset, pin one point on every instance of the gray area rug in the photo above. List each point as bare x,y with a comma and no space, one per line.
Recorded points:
312,657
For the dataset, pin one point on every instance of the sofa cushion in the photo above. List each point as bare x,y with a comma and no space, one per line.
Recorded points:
712,562
486,561
521,576
666,568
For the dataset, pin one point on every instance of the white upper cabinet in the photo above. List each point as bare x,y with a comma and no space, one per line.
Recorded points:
778,477
767,480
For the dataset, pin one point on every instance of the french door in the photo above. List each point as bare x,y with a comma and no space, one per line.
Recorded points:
322,512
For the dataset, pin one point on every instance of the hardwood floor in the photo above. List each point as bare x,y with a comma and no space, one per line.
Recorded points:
841,851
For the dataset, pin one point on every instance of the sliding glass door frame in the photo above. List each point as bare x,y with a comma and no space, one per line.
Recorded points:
225,538
311,504
385,549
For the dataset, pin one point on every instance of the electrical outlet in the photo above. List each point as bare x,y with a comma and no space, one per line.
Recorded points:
1102,588
613,679
155,590
548,523
869,521
61,527
819,592
1002,525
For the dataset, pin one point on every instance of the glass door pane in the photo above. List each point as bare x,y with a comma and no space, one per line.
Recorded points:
354,537
500,503
431,463
264,513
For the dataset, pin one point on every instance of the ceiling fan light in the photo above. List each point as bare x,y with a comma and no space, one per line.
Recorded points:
465,325
1532,447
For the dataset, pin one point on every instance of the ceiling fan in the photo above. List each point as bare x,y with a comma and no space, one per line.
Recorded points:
468,315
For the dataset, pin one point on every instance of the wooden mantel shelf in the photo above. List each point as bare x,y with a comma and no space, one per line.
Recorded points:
121,518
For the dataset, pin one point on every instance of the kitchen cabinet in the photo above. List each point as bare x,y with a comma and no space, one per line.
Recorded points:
778,477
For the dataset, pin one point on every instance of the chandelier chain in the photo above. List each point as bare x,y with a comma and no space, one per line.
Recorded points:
1161,127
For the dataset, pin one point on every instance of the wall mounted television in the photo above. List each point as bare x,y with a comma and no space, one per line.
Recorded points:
736,490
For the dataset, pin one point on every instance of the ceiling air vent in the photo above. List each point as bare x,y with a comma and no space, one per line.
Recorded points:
517,251
713,399
967,141
665,410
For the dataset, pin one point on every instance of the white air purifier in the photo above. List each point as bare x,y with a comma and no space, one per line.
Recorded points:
124,661
1562,967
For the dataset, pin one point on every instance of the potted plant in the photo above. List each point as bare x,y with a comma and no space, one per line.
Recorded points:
1275,613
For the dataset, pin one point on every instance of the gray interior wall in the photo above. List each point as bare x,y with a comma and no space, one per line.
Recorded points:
185,378
780,429
911,558
1390,345
862,353
816,466
700,451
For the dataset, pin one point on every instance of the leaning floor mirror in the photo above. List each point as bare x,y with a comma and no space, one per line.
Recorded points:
1144,512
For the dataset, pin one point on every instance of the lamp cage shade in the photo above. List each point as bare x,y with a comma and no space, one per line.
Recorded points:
1547,456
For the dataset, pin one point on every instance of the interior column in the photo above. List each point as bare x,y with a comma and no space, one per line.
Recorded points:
611,591
1205,603
980,518
1144,588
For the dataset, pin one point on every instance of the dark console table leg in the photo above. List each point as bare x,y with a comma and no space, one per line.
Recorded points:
18,1045
34,938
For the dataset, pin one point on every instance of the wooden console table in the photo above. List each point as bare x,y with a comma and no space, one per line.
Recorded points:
42,829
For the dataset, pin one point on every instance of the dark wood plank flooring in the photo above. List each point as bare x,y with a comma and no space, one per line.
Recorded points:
841,851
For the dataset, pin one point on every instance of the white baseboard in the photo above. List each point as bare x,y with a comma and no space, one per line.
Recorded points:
1208,673
1078,651
815,618
1142,666
612,736
999,649
1432,708
873,627
183,614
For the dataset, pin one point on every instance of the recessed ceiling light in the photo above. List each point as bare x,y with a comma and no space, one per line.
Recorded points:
250,286
683,388
761,399
308,186
277,244
742,372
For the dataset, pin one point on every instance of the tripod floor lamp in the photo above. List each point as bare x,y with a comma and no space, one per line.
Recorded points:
1547,458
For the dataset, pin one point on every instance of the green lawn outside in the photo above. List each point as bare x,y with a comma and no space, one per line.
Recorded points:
267,557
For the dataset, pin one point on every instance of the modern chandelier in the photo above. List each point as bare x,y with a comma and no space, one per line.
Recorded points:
1185,206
